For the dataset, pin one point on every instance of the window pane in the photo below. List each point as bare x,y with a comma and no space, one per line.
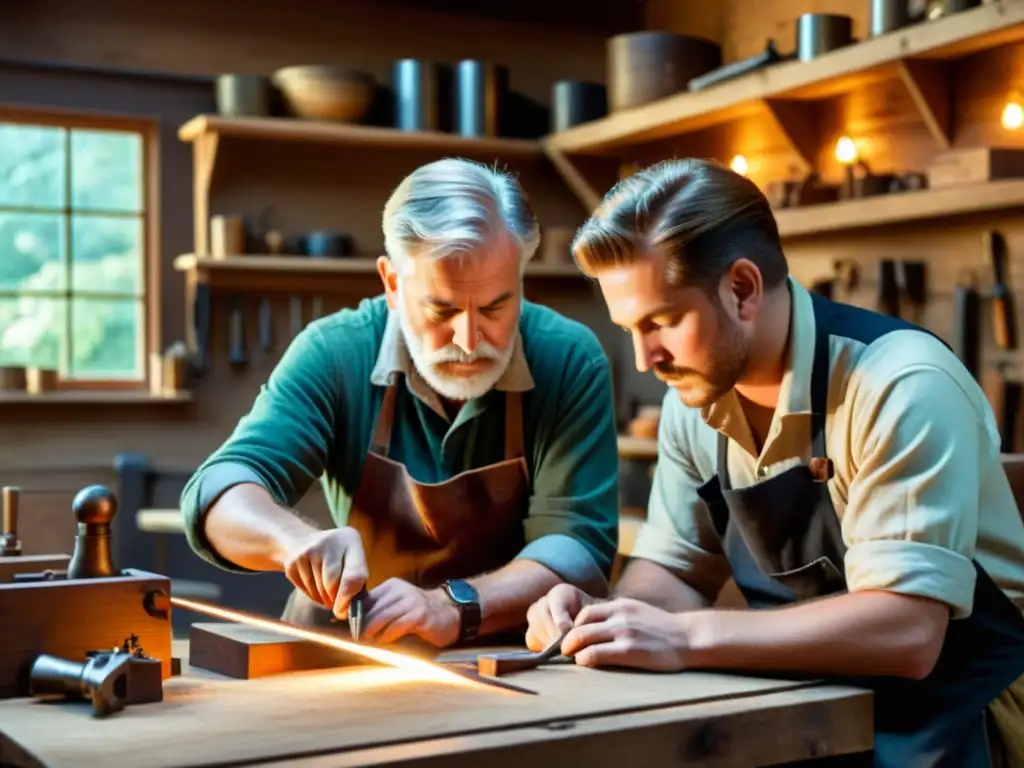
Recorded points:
106,339
32,331
32,252
106,171
32,166
106,254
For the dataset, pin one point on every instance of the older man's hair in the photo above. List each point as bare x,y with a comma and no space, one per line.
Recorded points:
455,207
700,215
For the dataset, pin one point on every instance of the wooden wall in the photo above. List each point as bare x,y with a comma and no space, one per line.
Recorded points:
53,451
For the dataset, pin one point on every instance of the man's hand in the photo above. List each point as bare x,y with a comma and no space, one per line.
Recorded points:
628,633
396,608
553,615
329,566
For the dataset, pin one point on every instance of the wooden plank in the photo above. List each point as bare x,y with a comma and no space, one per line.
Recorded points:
839,71
298,130
214,722
638,448
246,653
770,729
900,208
95,397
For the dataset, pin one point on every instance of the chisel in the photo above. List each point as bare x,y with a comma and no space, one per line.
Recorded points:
355,614
1004,318
967,322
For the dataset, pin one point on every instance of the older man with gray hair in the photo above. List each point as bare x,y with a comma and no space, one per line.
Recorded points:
464,436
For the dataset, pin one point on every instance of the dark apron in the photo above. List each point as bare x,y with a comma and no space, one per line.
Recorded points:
426,533
783,541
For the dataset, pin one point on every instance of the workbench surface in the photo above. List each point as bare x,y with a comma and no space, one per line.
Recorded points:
369,715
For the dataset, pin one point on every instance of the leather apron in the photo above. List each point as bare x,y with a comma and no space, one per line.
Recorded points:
426,533
783,541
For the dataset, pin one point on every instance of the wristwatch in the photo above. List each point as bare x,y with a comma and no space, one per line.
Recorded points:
467,600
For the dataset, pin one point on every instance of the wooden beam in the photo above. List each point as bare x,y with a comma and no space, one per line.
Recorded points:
204,159
572,177
930,88
799,123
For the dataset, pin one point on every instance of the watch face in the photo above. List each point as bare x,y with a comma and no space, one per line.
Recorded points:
461,592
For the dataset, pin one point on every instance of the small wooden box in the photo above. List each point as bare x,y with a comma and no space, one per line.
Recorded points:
245,652
71,617
963,167
19,564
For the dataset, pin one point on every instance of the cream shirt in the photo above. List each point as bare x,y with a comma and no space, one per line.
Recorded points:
918,485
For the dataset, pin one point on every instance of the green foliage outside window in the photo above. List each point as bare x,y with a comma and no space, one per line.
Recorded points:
72,236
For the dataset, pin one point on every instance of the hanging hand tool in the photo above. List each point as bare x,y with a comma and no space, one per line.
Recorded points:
915,288
317,308
236,351
296,315
266,325
967,321
1004,317
888,288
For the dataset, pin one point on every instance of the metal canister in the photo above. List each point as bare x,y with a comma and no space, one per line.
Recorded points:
574,102
479,93
819,33
647,66
422,91
243,95
889,15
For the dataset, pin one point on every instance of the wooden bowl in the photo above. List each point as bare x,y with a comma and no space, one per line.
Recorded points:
326,92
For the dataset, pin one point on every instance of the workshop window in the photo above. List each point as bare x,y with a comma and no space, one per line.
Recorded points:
75,242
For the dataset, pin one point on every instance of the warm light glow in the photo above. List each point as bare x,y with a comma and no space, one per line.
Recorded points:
419,669
1013,116
846,151
739,165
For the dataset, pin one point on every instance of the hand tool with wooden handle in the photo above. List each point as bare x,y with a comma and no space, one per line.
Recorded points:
296,315
1004,316
888,288
915,288
236,350
967,321
266,325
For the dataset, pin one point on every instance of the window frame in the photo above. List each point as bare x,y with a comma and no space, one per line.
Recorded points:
148,130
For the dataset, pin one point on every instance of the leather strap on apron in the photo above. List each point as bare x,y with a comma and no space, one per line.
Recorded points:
426,533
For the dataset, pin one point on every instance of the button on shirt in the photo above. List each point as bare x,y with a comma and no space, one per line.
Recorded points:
918,486
314,419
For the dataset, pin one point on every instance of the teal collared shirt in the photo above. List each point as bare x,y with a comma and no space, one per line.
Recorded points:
315,416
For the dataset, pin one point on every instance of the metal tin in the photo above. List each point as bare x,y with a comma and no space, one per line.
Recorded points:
889,15
819,33
479,93
422,92
243,95
576,102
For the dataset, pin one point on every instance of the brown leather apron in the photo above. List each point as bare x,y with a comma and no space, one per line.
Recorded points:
426,533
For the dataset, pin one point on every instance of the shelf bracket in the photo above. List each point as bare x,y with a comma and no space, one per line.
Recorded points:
930,88
798,123
204,158
572,177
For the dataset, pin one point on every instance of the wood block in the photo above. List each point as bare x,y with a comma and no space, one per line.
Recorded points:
976,165
244,652
70,617
18,564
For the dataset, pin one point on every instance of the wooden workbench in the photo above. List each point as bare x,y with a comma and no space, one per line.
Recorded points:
369,715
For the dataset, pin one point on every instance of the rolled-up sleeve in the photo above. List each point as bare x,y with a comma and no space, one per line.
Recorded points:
911,518
678,534
281,444
572,525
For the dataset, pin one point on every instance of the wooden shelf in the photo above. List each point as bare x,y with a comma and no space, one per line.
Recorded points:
637,448
899,208
310,131
287,274
91,397
838,72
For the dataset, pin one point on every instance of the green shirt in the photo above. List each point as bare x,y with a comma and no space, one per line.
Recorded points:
314,418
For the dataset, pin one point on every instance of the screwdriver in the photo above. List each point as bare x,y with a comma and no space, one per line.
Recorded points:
355,614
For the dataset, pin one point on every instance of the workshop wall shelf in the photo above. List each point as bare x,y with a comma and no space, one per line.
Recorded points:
299,274
926,46
899,208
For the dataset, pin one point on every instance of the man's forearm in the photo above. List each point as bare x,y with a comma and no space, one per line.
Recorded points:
507,593
651,583
864,633
248,528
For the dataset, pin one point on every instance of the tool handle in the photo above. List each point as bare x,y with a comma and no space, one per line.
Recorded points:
967,327
266,325
1004,318
10,510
